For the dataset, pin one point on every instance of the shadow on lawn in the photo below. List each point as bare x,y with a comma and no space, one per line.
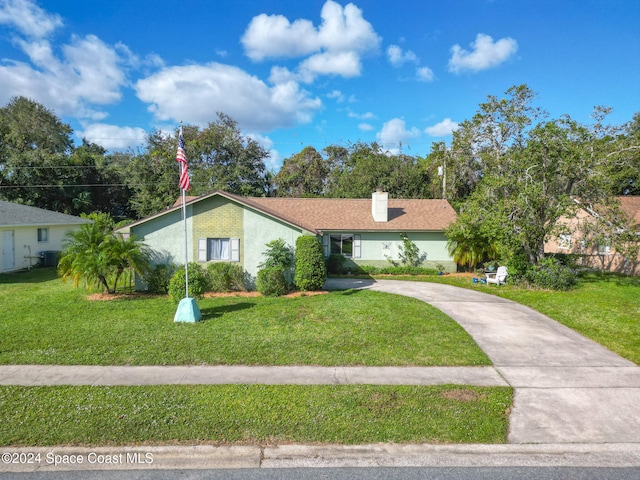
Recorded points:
216,312
35,275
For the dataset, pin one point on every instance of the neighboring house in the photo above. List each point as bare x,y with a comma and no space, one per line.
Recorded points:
227,227
601,255
29,235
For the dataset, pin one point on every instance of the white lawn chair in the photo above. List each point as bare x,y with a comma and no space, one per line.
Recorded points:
498,277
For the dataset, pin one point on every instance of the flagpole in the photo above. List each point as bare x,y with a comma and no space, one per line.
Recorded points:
188,310
186,243
184,221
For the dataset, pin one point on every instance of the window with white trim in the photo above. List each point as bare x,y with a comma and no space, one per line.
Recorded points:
43,235
219,249
346,244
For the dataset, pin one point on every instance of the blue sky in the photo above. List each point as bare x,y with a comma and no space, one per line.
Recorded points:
314,72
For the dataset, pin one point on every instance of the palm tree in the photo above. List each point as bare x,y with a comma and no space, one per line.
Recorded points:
127,252
469,247
94,253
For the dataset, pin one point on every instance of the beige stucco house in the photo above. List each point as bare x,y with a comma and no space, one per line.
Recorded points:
227,227
601,254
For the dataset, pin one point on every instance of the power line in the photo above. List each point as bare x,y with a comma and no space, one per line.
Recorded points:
82,185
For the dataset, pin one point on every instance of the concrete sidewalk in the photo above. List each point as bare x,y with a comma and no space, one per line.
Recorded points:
38,375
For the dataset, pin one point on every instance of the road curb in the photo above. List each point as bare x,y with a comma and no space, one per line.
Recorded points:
34,459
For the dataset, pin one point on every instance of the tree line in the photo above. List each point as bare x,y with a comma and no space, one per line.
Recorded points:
41,166
510,171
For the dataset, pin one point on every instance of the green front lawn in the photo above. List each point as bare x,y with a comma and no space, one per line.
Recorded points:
252,414
45,321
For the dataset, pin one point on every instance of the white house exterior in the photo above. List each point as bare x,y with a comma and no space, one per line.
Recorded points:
29,235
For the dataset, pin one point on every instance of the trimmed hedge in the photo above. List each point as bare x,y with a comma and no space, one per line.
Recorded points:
399,270
271,282
226,277
311,271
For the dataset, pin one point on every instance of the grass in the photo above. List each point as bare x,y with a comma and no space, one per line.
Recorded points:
602,307
250,414
45,321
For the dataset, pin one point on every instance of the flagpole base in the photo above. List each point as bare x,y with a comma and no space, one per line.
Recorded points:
188,311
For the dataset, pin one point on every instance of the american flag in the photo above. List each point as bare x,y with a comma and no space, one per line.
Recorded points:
181,158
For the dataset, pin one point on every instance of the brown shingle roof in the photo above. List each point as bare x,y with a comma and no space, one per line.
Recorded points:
318,215
327,214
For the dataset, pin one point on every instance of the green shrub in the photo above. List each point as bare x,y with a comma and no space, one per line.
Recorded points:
517,266
398,270
409,253
158,278
311,272
226,277
550,273
271,282
198,283
279,254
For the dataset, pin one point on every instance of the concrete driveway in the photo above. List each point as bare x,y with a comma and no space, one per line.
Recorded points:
568,389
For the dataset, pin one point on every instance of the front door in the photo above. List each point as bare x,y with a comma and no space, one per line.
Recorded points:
8,251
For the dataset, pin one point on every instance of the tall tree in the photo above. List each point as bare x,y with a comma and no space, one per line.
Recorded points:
302,175
34,148
357,171
532,172
152,174
624,169
224,158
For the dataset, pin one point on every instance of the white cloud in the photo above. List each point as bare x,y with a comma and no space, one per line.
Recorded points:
28,18
335,47
273,36
365,127
425,74
394,133
486,54
337,95
442,129
398,58
195,93
346,64
361,116
113,137
89,72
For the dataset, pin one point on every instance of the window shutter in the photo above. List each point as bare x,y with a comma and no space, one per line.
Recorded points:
235,249
202,249
356,246
326,240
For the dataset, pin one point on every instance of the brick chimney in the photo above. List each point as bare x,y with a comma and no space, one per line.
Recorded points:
380,206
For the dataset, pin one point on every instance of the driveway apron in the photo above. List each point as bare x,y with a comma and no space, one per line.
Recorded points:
568,389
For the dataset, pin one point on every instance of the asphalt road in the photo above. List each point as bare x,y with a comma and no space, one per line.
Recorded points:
405,473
